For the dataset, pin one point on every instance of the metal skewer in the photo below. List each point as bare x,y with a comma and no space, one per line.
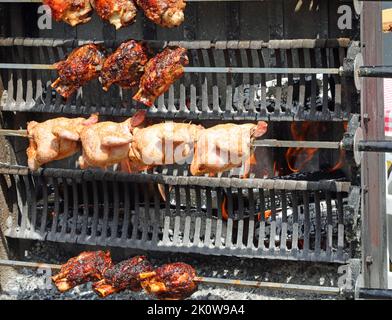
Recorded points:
22,66
14,133
259,143
204,280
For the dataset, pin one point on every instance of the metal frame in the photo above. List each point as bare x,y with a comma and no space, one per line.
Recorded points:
374,235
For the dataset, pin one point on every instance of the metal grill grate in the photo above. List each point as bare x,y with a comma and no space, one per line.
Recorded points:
308,220
210,94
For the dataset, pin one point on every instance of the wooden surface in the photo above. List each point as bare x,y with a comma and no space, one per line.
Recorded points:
374,233
387,20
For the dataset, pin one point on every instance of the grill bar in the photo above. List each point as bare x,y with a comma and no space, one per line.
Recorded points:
22,66
204,280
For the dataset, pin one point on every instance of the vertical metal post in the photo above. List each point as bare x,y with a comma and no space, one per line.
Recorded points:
374,236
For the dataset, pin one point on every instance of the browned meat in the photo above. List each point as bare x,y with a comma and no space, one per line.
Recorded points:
81,66
119,13
124,275
224,147
160,73
54,139
72,12
87,266
172,281
166,13
125,66
107,143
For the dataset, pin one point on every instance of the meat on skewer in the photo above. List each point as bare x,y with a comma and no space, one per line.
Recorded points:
173,281
124,275
82,65
166,13
160,73
162,144
72,12
107,143
87,266
119,13
124,66
224,147
54,139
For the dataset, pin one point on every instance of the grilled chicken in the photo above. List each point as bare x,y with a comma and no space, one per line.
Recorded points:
162,144
54,139
124,66
119,13
166,13
172,281
160,73
87,266
124,275
224,147
81,66
72,12
107,143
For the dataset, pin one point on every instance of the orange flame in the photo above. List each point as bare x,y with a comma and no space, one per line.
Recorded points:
342,154
340,163
225,214
306,154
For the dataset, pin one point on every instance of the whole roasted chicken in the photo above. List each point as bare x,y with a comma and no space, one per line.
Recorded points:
160,73
224,147
107,143
162,144
54,139
119,13
124,66
166,13
81,66
87,266
124,275
72,12
171,281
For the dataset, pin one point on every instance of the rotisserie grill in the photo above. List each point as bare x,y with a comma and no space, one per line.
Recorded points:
305,187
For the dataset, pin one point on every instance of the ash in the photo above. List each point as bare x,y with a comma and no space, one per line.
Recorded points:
33,284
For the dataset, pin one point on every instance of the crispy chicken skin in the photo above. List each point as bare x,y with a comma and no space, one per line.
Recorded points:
124,275
72,12
162,144
81,66
124,66
107,143
224,147
166,13
173,281
160,73
119,13
87,266
54,139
